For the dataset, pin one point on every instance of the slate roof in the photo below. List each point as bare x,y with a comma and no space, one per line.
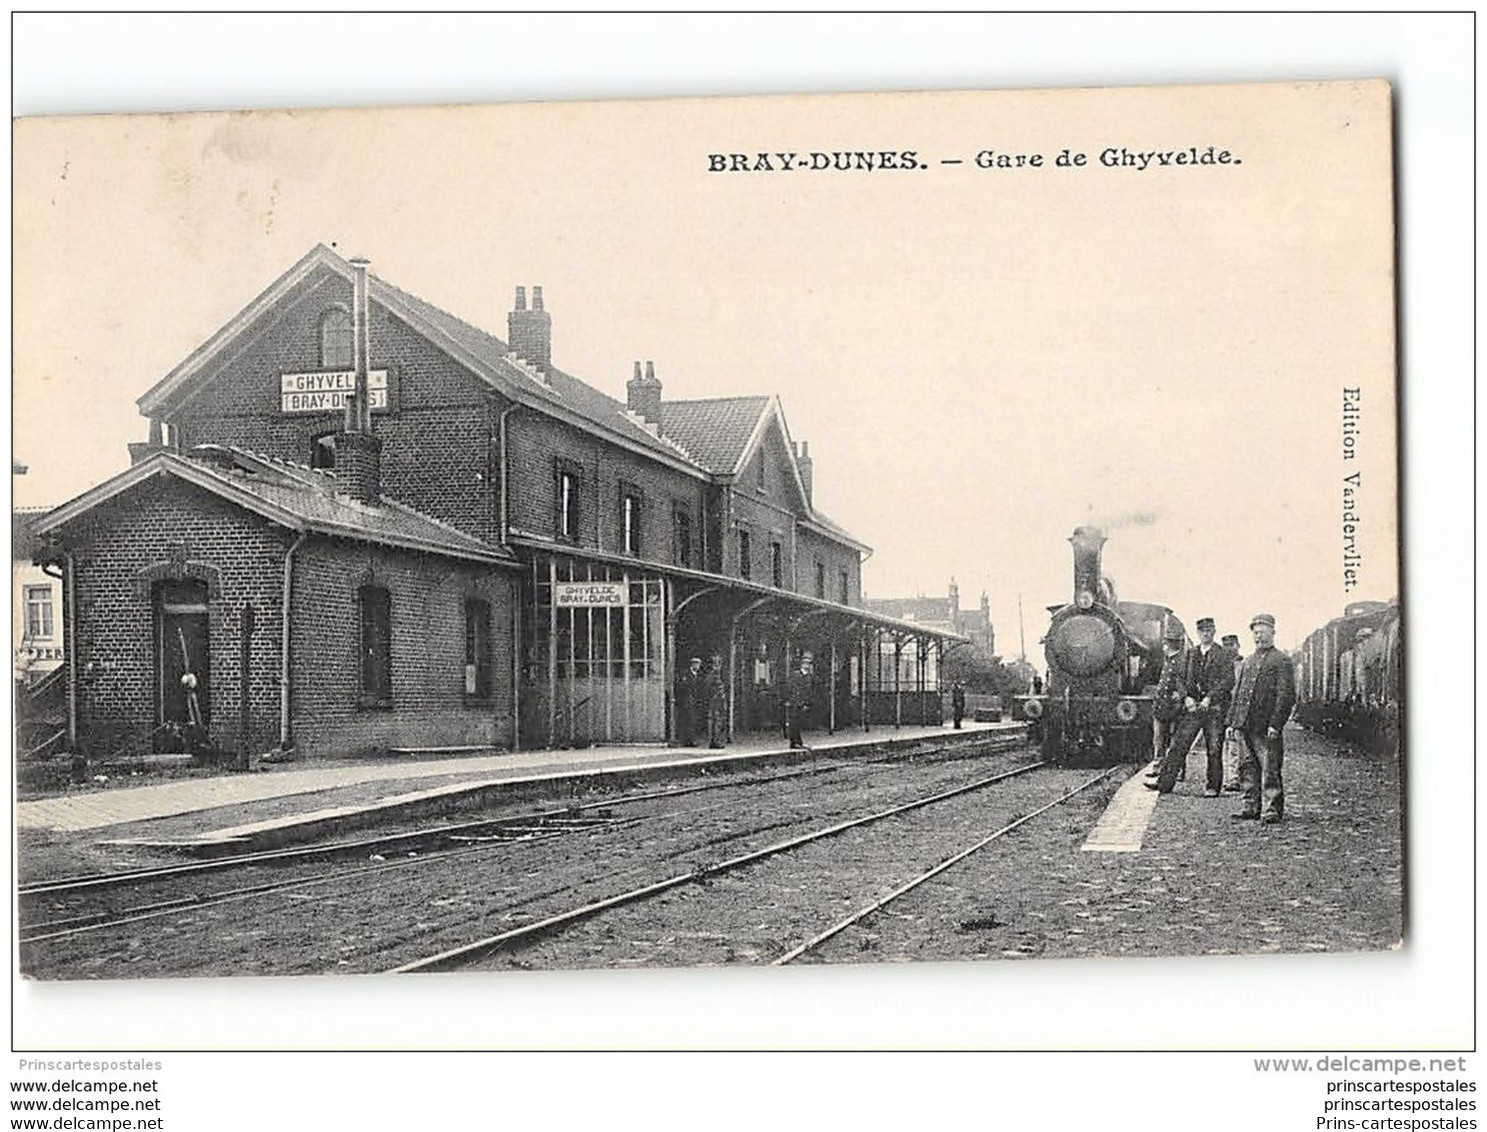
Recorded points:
920,610
23,540
714,430
706,437
292,495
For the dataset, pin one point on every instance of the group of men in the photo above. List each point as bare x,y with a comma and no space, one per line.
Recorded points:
702,702
1209,689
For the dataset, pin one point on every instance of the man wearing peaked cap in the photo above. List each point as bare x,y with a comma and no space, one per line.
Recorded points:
1263,699
1208,680
1170,692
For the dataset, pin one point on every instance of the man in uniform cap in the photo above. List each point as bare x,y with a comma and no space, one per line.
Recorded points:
1231,746
1171,689
1208,679
1263,699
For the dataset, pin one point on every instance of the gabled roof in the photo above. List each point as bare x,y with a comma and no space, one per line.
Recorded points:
291,495
704,438
23,540
716,430
483,354
920,610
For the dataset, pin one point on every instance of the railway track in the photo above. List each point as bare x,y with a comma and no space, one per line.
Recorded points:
371,856
517,938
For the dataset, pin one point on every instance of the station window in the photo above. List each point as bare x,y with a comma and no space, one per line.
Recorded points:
820,579
323,450
777,565
745,555
844,587
477,649
682,523
759,468
335,339
567,490
376,646
630,512
39,613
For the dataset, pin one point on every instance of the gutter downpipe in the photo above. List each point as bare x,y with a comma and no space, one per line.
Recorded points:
284,735
515,590
71,641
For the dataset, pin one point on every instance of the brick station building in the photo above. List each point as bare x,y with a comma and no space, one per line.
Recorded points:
478,551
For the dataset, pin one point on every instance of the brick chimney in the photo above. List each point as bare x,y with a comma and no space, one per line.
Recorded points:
358,451
529,332
803,462
643,394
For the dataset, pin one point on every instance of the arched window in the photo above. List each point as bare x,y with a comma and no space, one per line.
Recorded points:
335,339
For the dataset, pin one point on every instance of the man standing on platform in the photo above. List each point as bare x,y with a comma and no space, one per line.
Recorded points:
716,701
1263,700
1209,680
799,695
1231,746
688,701
958,703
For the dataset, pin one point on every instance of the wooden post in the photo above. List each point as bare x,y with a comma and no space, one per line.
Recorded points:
732,677
245,704
898,680
673,733
552,653
831,679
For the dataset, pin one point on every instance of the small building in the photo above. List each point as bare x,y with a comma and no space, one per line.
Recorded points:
446,540
38,643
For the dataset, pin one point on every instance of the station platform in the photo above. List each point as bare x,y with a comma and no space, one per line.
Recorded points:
293,802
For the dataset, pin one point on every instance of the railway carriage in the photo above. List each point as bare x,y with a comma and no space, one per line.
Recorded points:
1350,676
1104,658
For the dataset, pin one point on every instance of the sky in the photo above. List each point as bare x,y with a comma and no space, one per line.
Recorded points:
981,359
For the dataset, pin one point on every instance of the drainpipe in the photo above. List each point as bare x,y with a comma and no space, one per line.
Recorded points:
284,737
505,470
71,643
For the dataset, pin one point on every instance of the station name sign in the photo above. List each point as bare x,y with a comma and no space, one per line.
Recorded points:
567,595
328,391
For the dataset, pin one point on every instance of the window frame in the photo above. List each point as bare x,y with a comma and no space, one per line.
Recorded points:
374,650
745,554
567,510
632,519
479,652
41,597
820,579
777,564
337,311
681,524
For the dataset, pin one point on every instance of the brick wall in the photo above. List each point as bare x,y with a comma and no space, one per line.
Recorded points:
428,596
537,445
177,529
438,455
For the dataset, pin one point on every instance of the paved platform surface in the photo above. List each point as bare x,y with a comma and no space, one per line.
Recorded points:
102,807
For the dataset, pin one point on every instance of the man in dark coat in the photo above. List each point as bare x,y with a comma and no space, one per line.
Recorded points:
958,703
1208,681
1171,689
1262,703
714,697
799,695
689,704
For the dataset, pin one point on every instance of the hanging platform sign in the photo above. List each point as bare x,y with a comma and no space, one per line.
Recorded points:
567,595
327,391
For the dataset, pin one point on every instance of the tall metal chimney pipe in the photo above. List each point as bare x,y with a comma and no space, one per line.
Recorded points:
359,408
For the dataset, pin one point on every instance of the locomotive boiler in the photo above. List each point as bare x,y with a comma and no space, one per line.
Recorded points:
1104,658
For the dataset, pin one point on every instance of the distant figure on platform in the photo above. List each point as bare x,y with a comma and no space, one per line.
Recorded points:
714,695
958,703
1208,676
1231,746
799,700
688,702
1037,685
1171,690
1263,700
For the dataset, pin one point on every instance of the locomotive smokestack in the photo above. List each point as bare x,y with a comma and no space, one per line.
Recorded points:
1087,542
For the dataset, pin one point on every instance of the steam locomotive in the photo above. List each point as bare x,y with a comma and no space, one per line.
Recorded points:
1350,676
1104,659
